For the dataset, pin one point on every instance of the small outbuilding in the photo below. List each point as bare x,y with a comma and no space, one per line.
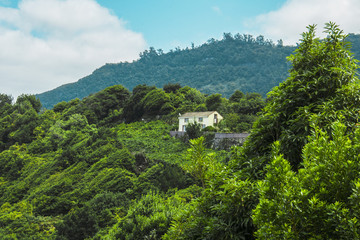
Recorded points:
204,118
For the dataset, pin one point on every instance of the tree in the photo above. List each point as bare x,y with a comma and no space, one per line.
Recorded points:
5,100
321,201
134,109
193,130
35,102
213,102
171,87
199,161
154,101
236,96
322,81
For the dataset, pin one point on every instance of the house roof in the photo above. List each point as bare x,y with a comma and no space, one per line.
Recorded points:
197,114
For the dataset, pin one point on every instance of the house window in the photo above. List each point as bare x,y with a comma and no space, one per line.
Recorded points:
184,128
203,125
186,120
201,119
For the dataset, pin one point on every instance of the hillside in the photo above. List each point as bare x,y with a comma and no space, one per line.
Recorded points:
240,62
73,171
105,167
235,62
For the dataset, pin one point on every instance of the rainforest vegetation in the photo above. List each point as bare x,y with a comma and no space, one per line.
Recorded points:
105,167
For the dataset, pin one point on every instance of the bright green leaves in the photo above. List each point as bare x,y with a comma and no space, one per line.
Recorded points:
199,162
321,200
17,221
151,216
18,121
322,76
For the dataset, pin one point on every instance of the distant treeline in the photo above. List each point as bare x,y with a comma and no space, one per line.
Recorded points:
218,66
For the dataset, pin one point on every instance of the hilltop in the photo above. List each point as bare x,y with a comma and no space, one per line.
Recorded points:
218,66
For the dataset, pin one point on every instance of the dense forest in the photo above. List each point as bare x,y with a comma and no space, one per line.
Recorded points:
105,167
76,170
218,66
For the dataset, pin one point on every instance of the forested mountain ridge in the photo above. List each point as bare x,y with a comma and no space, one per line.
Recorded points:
218,66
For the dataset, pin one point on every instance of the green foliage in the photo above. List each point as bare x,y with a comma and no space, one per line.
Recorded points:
214,102
222,212
171,87
75,178
151,216
218,66
102,168
24,98
236,96
18,121
151,139
199,162
193,130
18,222
321,200
98,213
322,76
155,102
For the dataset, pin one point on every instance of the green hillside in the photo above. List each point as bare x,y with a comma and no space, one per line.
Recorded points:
105,167
235,62
75,171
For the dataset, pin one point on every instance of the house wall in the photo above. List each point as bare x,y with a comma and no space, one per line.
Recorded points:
211,119
182,122
207,121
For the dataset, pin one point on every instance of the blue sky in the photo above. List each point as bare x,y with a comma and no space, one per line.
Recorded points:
168,23
48,43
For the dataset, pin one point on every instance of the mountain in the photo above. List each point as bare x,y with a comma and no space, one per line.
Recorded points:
218,66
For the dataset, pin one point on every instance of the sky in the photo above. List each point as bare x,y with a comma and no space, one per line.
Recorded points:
48,43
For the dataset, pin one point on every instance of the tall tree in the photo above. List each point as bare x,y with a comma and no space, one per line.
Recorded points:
321,82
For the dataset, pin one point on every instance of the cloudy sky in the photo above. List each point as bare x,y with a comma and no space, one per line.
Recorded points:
48,43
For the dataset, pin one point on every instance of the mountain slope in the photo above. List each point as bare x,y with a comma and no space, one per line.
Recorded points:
240,62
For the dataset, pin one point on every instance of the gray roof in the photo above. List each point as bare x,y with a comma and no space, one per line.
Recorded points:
197,114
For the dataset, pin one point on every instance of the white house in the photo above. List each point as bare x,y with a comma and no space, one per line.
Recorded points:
204,118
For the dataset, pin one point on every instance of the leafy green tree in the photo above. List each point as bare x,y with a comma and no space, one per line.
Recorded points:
214,102
236,96
223,211
321,200
199,162
154,103
5,100
171,87
193,130
134,109
35,102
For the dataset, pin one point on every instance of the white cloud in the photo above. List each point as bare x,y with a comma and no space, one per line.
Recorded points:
47,43
291,19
